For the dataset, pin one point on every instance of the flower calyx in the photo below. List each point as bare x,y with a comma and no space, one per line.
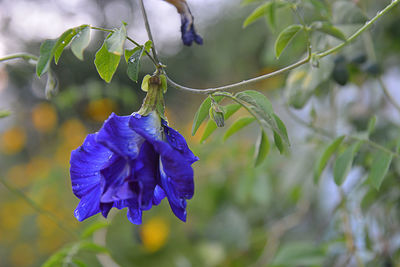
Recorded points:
155,86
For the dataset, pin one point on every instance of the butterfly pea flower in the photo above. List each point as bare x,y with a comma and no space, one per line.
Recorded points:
132,162
188,31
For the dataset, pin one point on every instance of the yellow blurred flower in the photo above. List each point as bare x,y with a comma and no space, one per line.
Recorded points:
38,168
13,140
73,132
17,176
44,117
22,255
154,234
100,109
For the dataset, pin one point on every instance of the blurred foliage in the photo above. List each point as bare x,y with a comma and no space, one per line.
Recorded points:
241,215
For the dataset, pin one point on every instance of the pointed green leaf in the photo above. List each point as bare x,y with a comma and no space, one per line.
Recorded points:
115,42
285,37
262,148
134,64
282,128
326,155
344,162
238,125
4,113
202,113
62,42
79,263
229,110
279,143
93,247
328,28
380,166
51,84
256,14
130,52
81,42
261,108
45,56
106,63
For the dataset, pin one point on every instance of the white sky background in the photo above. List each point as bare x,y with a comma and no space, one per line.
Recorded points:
37,20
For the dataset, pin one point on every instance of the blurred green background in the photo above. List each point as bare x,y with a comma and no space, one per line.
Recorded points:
240,215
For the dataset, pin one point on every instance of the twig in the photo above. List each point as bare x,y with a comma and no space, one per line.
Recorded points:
25,56
147,25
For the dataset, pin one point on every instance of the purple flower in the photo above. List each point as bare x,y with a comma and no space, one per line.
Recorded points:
188,32
132,162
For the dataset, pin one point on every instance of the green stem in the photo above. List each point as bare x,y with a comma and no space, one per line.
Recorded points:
238,85
24,56
366,26
37,207
148,29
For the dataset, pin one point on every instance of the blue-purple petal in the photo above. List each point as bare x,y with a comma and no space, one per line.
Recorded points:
89,205
178,142
119,137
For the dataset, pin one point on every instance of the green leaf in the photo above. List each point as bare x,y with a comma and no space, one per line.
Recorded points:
202,113
106,63
134,64
379,168
282,128
285,37
4,113
371,125
81,42
279,143
57,258
145,83
328,28
92,247
261,108
148,45
344,162
130,52
79,263
326,155
115,42
262,148
229,110
45,56
238,125
257,13
89,231
299,254
62,42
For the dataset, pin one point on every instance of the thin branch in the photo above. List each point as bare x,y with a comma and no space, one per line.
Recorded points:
37,207
239,84
147,25
388,95
367,25
25,56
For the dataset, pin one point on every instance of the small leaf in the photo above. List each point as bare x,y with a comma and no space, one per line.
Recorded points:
106,63
326,155
134,64
379,168
62,42
347,12
148,45
130,52
256,14
285,37
262,148
282,128
115,42
81,42
93,247
229,110
328,28
238,125
344,162
89,231
164,83
279,143
46,54
202,113
371,125
4,113
79,263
